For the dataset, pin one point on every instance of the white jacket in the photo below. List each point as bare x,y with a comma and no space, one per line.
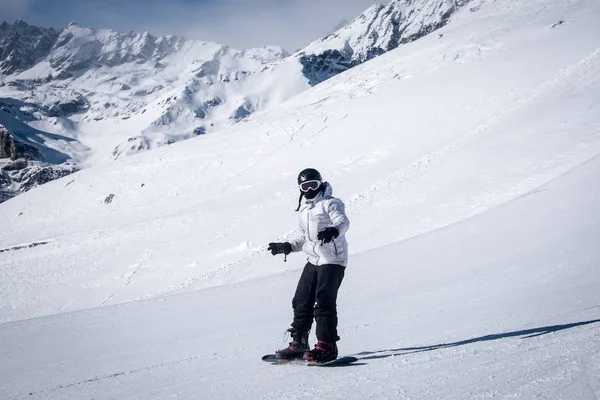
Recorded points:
317,214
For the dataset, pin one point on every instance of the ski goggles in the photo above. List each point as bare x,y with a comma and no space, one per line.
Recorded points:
309,185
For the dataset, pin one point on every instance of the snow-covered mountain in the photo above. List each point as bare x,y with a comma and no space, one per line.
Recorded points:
119,94
469,165
93,76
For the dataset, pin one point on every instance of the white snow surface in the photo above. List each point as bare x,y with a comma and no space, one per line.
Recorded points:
470,168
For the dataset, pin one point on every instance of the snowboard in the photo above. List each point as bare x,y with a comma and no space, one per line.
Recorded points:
273,359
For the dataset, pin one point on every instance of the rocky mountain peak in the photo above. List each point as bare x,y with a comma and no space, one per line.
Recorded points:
22,45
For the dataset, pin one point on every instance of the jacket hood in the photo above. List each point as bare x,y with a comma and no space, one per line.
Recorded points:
328,189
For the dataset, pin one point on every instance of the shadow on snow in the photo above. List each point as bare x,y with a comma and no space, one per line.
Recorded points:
526,334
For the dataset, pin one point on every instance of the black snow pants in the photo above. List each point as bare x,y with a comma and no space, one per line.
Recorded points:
316,297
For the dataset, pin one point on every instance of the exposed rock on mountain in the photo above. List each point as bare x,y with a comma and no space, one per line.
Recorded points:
15,149
319,68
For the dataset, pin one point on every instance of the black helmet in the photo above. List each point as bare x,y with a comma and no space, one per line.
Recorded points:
309,174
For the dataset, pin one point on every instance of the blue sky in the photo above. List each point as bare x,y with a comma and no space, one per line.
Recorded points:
242,23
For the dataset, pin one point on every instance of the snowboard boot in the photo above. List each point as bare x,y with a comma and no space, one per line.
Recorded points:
322,353
297,347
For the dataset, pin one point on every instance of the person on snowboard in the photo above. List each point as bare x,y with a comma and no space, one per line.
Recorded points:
323,223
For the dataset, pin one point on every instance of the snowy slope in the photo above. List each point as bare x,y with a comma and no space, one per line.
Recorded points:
469,165
469,320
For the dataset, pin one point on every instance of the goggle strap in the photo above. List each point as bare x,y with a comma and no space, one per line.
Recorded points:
300,201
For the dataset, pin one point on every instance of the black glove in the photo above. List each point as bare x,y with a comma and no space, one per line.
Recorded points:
280,248
328,234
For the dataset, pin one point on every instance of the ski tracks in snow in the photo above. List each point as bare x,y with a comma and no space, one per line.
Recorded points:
128,277
435,159
116,375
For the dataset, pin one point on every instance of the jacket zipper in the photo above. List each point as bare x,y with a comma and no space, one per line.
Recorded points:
335,247
308,233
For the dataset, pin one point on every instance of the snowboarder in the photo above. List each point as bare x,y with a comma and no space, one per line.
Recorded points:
323,223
